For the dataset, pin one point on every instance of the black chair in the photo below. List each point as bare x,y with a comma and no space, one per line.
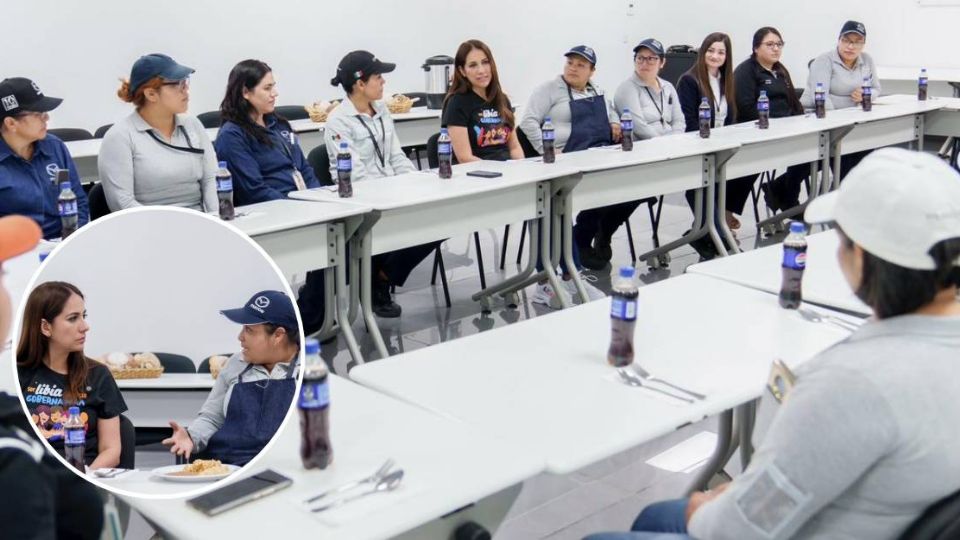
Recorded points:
677,63
292,112
98,202
415,149
71,134
176,363
128,443
939,522
204,366
101,131
320,161
211,119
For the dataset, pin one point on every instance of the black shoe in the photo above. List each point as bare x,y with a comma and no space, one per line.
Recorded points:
603,249
383,305
770,197
590,259
704,246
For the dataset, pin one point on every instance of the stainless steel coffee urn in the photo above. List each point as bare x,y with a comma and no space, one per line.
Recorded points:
438,70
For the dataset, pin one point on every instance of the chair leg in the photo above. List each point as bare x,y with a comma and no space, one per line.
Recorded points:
436,265
523,234
633,249
443,277
656,223
483,277
503,248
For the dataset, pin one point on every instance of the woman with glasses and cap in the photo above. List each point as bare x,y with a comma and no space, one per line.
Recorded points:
862,443
364,123
42,498
254,389
158,155
763,71
30,158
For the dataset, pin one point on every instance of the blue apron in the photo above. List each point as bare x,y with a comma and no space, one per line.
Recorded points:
254,415
589,124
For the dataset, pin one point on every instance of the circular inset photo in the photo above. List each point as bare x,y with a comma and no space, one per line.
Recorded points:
157,351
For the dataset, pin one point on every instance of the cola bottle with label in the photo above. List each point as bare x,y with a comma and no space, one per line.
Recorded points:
74,439
225,191
549,138
626,131
445,154
794,262
922,85
763,110
867,101
705,114
316,452
820,101
623,318
344,171
66,205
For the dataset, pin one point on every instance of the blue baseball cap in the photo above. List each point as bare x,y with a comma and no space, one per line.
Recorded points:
853,27
584,51
272,307
655,47
156,65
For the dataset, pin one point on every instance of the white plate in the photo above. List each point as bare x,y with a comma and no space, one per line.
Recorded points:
164,473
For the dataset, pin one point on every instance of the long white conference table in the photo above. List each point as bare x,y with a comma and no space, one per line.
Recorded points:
545,385
452,474
413,129
823,282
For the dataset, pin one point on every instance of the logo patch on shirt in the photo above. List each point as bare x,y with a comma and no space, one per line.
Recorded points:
10,102
52,170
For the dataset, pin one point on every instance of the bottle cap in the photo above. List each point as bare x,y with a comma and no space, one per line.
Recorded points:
343,145
546,119
797,227
73,410
626,271
312,346
625,111
763,93
443,130
222,164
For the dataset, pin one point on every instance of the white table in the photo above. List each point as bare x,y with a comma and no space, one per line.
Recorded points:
545,383
304,236
823,281
447,466
153,403
419,207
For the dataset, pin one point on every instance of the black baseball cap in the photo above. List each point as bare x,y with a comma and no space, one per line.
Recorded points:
655,46
272,307
156,65
853,27
585,52
20,95
357,65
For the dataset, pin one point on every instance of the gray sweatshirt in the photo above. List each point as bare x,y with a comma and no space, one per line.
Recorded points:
136,170
347,124
645,106
551,99
838,80
865,441
214,410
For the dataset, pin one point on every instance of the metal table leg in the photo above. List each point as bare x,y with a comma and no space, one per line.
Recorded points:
720,453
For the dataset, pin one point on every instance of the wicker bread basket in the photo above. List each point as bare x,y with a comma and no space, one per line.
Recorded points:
137,373
400,103
320,110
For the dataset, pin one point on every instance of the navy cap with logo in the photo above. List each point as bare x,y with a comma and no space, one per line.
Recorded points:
272,307
853,27
156,65
357,65
586,52
19,95
655,46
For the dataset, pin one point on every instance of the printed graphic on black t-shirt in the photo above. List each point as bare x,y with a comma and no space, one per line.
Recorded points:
44,389
489,135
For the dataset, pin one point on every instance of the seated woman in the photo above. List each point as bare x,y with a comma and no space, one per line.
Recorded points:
158,155
55,374
364,123
30,158
264,156
59,503
254,389
859,446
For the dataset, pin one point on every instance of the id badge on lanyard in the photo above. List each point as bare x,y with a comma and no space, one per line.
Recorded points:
298,180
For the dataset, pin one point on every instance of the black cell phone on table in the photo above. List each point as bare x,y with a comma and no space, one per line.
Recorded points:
484,174
243,491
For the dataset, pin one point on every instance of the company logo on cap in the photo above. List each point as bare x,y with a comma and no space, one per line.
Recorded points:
861,29
36,88
260,303
10,103
358,74
588,51
656,44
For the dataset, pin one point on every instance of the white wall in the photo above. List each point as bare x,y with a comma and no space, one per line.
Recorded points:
78,50
156,280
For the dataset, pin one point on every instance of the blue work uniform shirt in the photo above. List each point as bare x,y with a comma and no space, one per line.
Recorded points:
263,172
29,188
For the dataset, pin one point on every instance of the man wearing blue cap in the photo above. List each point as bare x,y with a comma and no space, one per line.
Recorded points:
254,389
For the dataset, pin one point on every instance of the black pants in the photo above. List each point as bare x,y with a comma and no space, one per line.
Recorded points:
786,187
738,191
602,222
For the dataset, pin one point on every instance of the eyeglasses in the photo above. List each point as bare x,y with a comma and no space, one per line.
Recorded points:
182,85
774,45
854,44
34,114
641,59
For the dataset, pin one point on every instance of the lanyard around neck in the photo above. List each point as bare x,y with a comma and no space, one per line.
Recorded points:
660,106
377,148
188,149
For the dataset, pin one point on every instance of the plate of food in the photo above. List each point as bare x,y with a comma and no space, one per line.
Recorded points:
201,470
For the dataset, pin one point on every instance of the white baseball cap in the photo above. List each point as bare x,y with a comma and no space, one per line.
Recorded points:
896,204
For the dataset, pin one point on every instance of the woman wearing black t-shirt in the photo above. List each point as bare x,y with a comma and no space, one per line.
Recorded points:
55,374
476,112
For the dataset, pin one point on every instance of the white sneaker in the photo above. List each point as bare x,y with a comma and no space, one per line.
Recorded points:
593,293
544,294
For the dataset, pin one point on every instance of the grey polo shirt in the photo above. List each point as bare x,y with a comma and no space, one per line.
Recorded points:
214,410
839,81
865,441
648,107
136,170
345,123
551,99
